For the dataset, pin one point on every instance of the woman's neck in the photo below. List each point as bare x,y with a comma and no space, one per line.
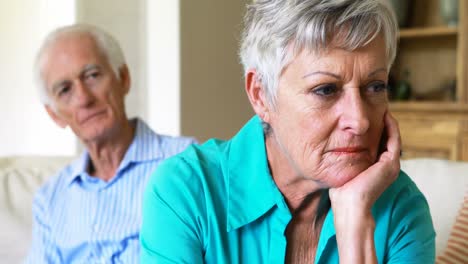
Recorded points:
290,181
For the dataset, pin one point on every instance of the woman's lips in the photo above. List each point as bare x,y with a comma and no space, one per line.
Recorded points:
349,150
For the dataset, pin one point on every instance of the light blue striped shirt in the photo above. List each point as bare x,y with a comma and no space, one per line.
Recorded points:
82,219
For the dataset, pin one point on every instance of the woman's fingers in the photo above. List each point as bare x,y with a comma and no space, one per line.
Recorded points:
394,138
375,179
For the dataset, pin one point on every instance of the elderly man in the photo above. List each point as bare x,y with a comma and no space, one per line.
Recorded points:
91,210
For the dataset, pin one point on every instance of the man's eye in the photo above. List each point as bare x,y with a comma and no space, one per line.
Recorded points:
63,91
92,75
377,87
325,90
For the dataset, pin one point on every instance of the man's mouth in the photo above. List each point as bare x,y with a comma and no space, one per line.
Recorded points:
91,116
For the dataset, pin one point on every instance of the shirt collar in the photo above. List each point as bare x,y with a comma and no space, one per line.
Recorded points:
251,189
78,167
146,145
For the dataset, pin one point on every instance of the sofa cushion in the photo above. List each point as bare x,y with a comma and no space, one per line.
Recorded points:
457,245
444,184
19,179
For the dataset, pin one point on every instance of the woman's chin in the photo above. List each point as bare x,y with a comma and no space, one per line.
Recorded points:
345,173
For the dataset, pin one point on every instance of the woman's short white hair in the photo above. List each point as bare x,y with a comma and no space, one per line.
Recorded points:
276,31
106,43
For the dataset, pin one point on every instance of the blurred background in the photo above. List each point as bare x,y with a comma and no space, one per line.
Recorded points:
186,75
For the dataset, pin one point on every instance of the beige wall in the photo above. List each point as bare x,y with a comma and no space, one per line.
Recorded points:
213,101
126,20
212,98
26,128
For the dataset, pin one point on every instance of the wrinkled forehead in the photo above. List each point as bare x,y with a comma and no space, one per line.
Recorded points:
332,57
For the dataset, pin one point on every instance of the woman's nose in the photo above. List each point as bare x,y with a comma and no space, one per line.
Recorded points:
355,114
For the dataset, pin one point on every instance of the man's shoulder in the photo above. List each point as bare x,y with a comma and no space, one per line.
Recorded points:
172,145
155,145
58,183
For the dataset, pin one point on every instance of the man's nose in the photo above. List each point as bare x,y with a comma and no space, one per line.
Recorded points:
82,95
355,113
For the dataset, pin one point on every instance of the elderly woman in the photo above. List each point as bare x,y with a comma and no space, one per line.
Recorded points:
314,177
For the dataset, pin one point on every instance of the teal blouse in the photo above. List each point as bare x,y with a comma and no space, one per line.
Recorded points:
217,203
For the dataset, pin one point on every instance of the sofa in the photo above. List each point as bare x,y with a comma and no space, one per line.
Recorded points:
20,177
443,182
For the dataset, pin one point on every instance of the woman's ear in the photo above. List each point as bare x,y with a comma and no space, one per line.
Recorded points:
257,95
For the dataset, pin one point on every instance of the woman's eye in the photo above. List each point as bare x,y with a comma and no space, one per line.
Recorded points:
325,90
377,87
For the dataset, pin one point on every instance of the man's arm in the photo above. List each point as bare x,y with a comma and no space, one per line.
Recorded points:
42,249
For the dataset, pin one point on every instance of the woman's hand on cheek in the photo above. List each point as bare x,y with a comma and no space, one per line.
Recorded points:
360,193
352,202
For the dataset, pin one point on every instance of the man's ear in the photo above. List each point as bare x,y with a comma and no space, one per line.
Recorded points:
257,95
55,117
124,76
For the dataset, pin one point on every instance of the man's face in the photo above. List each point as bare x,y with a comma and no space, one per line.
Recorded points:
84,90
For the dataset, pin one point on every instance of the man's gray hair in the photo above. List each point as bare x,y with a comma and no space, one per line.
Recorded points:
276,31
106,44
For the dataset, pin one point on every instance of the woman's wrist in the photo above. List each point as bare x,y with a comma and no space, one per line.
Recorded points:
355,238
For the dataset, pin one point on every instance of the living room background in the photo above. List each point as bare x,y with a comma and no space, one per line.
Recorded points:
182,55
